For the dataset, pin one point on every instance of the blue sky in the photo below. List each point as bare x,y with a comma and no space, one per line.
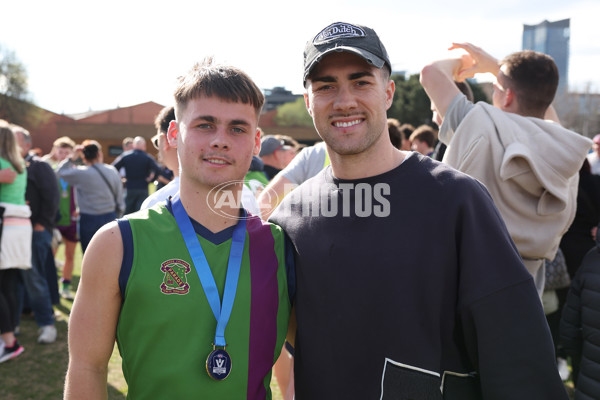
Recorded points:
82,55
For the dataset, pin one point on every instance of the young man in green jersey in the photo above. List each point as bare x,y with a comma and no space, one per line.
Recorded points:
194,290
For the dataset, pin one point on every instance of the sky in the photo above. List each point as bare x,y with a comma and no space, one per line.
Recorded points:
82,56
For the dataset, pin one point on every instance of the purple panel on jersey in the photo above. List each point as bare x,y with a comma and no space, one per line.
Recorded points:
264,305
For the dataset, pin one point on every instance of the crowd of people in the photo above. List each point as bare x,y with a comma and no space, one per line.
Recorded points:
385,261
62,197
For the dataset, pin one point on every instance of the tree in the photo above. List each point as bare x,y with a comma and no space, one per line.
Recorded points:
14,106
412,105
478,92
579,110
293,114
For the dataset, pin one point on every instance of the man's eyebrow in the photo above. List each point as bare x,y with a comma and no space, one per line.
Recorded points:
208,118
352,76
239,122
213,119
362,74
327,79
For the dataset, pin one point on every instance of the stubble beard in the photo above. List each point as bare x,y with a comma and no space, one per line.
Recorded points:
350,144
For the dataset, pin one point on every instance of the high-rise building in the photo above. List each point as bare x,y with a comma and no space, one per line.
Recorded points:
551,38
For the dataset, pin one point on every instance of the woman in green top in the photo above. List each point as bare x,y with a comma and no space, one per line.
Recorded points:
15,239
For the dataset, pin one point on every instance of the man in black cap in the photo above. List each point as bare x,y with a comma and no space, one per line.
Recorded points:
275,154
408,284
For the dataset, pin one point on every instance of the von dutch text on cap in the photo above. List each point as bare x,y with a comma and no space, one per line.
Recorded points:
339,29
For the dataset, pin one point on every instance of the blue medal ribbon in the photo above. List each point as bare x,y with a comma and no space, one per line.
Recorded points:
221,312
64,185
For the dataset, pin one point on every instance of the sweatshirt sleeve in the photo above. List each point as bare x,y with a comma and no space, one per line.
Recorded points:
509,339
501,316
68,171
48,192
458,109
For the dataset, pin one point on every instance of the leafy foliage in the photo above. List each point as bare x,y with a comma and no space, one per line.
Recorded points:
478,92
13,87
293,114
411,103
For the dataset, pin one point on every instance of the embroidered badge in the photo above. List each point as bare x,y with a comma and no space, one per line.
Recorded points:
338,30
175,280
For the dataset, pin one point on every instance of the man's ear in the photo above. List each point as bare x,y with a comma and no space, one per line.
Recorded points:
172,133
510,98
390,88
256,149
307,103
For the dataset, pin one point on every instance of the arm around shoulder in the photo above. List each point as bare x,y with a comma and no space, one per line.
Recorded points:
7,175
270,197
93,321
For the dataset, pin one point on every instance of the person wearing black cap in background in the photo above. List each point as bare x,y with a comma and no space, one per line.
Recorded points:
408,284
275,154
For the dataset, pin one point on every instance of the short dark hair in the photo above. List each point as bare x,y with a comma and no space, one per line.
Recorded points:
91,149
164,117
394,131
407,130
424,133
533,76
223,81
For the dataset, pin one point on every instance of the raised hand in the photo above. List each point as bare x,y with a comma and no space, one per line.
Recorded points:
476,61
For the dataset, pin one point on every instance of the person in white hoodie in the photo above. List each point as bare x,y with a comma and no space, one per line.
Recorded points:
528,163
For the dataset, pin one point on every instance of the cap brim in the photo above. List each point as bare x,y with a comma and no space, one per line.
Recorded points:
366,55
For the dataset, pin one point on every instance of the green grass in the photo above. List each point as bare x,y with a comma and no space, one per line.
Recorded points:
39,373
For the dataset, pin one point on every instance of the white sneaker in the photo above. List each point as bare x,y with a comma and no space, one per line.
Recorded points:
563,368
47,334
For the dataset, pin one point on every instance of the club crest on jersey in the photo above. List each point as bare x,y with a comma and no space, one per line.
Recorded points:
175,280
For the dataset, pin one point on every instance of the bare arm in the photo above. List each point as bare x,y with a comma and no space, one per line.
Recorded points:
272,195
93,321
162,179
291,338
438,77
7,175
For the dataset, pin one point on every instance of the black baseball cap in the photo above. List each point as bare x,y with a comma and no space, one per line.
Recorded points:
342,36
270,144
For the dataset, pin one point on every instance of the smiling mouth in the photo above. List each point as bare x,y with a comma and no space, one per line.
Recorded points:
347,124
216,161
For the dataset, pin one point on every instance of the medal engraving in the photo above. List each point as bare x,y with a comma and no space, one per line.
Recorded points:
218,364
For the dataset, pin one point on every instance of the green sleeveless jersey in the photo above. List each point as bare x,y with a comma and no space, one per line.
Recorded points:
66,203
13,193
166,326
